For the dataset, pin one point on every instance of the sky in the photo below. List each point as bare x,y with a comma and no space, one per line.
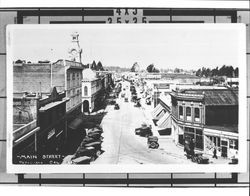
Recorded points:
167,46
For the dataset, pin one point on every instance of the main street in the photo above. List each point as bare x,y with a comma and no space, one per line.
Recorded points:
121,145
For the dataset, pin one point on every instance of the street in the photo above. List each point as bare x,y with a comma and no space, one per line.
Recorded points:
121,145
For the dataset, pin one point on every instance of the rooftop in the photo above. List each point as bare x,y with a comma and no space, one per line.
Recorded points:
209,96
217,96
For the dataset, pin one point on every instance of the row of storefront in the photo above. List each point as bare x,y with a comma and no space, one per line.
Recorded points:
207,132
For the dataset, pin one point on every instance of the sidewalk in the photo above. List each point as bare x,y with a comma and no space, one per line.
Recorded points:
170,148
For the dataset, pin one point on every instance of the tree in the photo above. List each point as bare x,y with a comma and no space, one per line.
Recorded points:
135,67
198,73
151,69
236,72
177,70
99,67
19,61
93,65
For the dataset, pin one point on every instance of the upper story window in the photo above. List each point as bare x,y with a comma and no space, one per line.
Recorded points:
197,114
85,91
181,112
188,113
68,76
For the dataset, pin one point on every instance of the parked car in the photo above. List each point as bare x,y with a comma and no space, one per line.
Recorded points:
117,107
233,161
112,102
81,160
198,158
95,130
144,131
153,142
148,101
126,99
85,151
95,135
137,104
97,145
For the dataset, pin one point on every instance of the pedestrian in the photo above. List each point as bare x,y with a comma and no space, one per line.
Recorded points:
215,153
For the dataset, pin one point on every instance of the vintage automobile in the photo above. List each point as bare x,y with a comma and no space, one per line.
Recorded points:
85,151
137,104
126,99
81,160
144,131
112,102
117,107
198,158
95,130
153,142
98,147
95,135
233,161
148,101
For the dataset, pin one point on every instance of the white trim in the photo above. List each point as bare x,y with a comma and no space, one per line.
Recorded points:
133,168
214,132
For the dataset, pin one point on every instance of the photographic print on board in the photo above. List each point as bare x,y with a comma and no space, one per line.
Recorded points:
126,98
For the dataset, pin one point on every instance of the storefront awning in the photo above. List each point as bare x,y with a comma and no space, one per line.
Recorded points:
165,121
75,124
156,112
51,105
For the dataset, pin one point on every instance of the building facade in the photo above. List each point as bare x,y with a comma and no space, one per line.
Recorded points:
39,125
209,116
92,89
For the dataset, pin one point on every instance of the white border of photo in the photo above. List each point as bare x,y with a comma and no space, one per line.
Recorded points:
148,168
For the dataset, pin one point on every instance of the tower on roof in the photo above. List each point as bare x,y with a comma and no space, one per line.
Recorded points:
75,51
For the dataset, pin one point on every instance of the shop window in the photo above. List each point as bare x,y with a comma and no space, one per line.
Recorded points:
224,143
188,113
233,144
218,141
189,129
180,112
199,141
198,132
197,114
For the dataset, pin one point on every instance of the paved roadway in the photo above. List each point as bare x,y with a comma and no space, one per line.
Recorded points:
121,145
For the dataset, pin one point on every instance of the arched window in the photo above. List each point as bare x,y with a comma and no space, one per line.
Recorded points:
85,91
197,114
180,112
188,113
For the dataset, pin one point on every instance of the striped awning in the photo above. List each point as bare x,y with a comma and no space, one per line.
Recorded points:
158,110
165,121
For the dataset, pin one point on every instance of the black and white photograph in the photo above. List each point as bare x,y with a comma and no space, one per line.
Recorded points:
126,98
